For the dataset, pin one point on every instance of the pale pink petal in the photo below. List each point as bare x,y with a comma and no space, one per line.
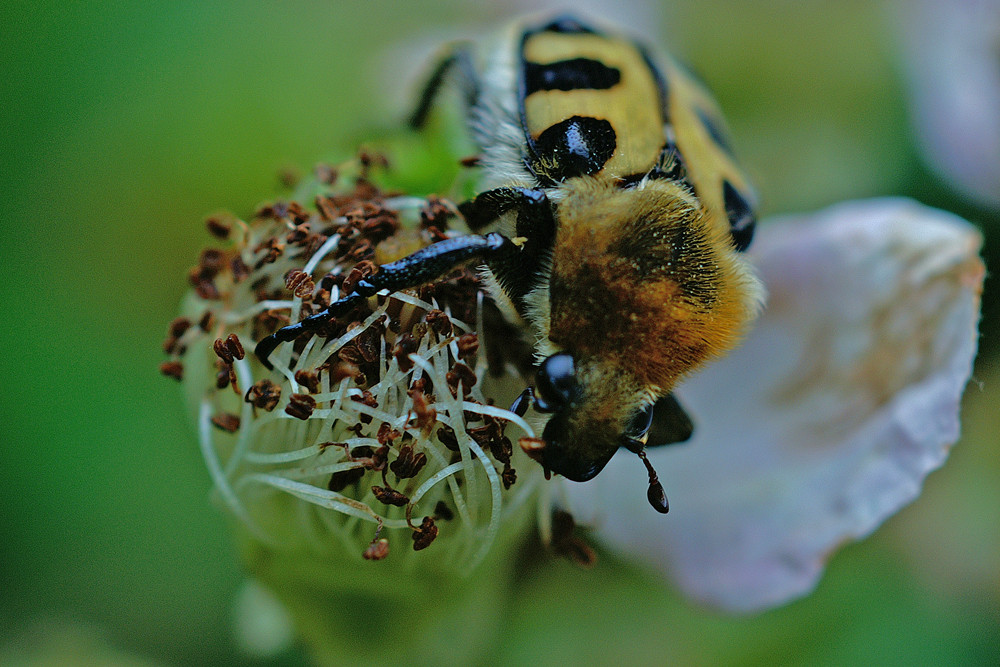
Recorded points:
826,420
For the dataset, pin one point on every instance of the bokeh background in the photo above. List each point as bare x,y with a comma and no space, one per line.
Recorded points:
125,123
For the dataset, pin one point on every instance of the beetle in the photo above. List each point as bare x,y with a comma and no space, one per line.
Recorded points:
611,223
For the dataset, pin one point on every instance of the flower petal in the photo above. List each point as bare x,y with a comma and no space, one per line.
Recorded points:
951,61
825,421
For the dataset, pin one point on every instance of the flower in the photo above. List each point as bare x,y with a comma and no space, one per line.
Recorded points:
950,58
377,439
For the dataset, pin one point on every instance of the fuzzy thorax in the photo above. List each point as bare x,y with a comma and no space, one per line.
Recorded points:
646,281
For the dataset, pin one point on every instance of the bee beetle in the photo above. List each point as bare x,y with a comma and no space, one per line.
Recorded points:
615,220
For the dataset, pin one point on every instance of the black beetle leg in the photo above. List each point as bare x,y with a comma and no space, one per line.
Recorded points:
421,267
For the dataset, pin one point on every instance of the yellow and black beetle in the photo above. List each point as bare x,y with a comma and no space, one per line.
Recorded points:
619,219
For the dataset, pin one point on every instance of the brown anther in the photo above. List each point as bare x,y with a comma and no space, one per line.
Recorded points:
443,512
567,543
172,369
460,373
323,446
471,160
425,415
300,406
389,496
226,421
425,534
326,208
436,234
203,287
434,214
300,283
207,321
369,343
377,550
439,322
325,174
408,463
178,326
289,176
343,479
264,395
170,345
299,236
210,262
369,159
490,436
532,447
234,346
386,434
421,384
272,249
361,270
371,458
239,269
468,345
341,370
362,250
308,379
366,398
229,349
219,226
446,435
508,476
223,373
405,345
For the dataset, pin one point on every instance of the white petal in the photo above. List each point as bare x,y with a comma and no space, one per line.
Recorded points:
826,420
951,61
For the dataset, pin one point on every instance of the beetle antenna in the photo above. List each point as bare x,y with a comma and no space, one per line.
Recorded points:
655,494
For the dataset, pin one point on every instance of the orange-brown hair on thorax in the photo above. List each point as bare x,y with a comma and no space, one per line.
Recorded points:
646,281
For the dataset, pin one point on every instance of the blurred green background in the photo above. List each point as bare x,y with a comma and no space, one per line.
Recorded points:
125,124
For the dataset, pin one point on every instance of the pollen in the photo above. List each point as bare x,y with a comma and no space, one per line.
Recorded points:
371,431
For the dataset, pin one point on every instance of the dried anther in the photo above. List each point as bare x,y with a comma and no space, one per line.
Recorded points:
366,398
308,379
439,322
446,436
172,369
300,283
425,415
361,270
226,421
264,395
229,349
386,434
343,479
343,369
405,345
408,463
434,214
468,345
460,374
443,512
508,476
179,326
377,550
219,226
425,534
390,496
300,406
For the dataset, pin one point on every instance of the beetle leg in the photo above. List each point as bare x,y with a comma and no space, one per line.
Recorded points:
421,267
458,60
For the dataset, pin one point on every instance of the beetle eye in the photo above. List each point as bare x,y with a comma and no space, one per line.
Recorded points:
555,381
639,423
